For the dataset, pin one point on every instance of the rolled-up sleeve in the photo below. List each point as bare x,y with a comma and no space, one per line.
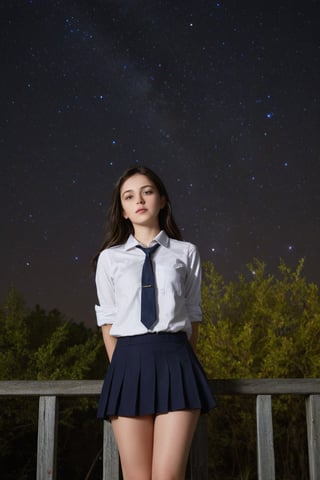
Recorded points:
193,286
106,310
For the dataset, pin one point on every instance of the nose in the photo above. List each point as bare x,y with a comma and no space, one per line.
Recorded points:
140,199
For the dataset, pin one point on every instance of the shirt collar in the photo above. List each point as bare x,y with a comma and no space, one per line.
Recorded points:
162,238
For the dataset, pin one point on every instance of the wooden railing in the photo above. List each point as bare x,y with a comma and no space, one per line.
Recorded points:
263,389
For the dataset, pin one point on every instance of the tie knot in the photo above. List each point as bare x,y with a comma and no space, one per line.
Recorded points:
149,250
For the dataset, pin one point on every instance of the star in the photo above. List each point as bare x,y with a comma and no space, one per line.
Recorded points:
270,115
94,88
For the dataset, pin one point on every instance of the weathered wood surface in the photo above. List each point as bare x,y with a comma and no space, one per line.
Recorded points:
265,450
47,438
267,386
48,391
313,429
198,458
261,386
111,464
59,388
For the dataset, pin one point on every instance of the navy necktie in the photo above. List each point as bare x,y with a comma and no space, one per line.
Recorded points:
148,300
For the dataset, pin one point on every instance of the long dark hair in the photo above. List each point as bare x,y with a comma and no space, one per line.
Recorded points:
118,228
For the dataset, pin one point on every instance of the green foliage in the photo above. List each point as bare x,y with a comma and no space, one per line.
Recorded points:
36,345
257,326
263,326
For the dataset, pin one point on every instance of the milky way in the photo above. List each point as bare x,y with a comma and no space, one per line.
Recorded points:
221,99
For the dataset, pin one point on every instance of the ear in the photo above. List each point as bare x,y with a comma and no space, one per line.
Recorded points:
124,215
163,202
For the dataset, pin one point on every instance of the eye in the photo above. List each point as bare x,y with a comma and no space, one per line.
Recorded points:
148,192
128,197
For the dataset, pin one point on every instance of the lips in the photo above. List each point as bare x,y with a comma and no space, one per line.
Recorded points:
141,210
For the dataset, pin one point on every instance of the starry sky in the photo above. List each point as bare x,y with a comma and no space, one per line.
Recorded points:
221,99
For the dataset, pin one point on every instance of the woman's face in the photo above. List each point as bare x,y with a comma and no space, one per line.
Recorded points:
141,201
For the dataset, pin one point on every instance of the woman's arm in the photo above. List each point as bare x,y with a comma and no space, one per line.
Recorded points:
109,340
194,335
193,294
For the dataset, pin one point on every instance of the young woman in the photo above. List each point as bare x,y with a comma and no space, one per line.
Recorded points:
155,388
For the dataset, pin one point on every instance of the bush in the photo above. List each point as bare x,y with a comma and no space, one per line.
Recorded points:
262,326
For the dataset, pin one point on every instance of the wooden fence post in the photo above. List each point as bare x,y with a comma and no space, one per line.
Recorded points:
47,438
313,429
265,453
198,459
110,454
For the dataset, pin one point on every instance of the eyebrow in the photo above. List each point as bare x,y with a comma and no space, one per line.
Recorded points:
141,188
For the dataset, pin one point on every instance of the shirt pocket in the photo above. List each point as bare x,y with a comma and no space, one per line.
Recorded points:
128,279
170,278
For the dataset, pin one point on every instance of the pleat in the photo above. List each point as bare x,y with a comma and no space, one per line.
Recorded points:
177,398
147,391
130,387
152,374
162,390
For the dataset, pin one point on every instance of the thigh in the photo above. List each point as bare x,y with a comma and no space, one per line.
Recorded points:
173,433
134,437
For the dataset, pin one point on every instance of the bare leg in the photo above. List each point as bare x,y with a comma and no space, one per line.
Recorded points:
173,434
134,437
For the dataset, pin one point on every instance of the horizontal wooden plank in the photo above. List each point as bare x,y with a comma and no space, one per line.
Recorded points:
59,388
266,386
261,386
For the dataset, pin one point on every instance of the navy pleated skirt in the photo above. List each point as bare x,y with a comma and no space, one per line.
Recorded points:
154,373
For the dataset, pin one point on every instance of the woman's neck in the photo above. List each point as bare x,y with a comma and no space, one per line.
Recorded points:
145,235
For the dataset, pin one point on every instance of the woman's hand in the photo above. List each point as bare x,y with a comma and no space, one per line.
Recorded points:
194,335
109,340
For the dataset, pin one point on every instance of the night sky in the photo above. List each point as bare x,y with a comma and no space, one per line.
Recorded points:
221,99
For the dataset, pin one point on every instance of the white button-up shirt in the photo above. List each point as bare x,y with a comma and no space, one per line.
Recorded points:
177,271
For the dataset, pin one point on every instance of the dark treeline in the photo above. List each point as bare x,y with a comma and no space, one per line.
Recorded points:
36,345
259,326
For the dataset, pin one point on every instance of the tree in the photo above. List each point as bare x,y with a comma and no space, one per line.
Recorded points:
259,326
36,345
